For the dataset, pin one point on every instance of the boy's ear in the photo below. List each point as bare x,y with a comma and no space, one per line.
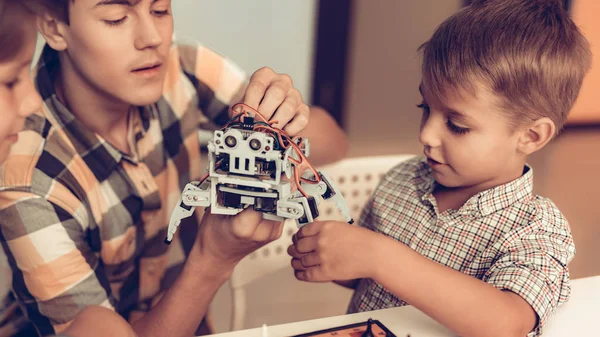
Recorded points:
538,134
53,31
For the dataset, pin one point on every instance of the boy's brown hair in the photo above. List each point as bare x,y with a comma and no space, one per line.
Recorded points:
528,53
11,28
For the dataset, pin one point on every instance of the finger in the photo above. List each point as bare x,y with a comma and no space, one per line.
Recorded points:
314,274
276,231
300,121
306,261
297,264
293,252
259,82
310,229
264,230
311,260
307,244
246,223
288,109
275,95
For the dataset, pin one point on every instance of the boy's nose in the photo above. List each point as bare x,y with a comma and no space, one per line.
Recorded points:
428,135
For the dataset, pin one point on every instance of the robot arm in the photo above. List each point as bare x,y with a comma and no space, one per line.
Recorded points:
336,197
193,195
327,190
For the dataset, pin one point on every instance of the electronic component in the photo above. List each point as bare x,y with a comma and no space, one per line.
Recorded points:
253,163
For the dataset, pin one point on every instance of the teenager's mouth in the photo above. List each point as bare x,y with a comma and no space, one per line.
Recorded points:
148,70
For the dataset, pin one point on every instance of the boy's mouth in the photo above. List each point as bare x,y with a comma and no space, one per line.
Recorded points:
433,162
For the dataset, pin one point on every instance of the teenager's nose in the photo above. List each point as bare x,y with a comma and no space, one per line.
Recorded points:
148,35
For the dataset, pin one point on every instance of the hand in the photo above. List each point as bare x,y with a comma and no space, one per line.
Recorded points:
228,238
333,251
275,97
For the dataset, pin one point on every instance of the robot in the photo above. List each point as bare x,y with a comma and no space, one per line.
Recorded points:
253,163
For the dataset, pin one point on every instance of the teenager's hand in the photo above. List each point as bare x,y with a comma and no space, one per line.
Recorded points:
275,97
228,239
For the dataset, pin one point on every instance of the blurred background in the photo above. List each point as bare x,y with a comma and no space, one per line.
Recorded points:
359,60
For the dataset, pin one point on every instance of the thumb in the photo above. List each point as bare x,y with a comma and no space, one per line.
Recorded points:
245,223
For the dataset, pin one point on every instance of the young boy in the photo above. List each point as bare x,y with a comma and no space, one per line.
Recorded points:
459,234
90,185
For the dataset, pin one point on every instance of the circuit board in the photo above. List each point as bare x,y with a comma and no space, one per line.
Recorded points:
352,330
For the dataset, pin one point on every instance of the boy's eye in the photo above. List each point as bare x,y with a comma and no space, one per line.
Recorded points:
423,107
459,130
115,22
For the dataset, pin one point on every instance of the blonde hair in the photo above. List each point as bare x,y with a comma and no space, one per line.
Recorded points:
528,53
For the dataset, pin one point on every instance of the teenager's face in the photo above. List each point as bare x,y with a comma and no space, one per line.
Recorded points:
120,47
18,98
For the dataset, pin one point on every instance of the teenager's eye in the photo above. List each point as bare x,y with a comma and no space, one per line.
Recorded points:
160,13
459,130
115,22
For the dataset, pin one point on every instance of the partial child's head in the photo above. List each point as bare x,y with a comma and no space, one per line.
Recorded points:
118,48
515,68
18,97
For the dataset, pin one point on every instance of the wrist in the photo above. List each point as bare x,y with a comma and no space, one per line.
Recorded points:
201,262
384,252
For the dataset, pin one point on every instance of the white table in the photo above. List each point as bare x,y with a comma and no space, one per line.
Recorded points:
579,317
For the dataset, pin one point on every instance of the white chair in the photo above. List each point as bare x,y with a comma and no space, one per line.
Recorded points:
356,178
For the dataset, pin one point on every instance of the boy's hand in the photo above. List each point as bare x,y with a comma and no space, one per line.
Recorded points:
331,250
228,239
275,97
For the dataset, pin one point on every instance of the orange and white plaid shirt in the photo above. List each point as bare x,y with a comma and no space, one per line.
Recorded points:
505,236
83,223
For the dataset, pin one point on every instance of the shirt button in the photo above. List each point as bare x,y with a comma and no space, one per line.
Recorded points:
486,209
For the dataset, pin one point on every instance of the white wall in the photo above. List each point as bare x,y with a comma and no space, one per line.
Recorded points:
384,73
254,33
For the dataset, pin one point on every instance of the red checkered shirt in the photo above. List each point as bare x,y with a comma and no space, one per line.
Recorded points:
505,236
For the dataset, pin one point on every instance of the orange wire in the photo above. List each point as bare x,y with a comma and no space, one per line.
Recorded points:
291,142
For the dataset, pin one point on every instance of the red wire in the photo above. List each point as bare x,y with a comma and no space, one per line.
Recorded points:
281,136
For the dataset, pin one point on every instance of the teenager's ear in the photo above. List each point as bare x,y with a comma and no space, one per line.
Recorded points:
536,135
53,31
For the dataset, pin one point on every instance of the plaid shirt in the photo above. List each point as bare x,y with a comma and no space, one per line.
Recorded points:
83,223
505,236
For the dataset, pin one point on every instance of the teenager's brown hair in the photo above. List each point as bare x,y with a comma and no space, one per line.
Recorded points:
528,53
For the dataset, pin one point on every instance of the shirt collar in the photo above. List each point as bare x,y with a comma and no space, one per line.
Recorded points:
99,155
485,202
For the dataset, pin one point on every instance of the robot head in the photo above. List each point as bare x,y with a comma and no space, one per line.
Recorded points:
246,152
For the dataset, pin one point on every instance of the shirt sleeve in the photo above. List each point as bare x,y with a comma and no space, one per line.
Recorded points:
55,271
534,266
217,81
